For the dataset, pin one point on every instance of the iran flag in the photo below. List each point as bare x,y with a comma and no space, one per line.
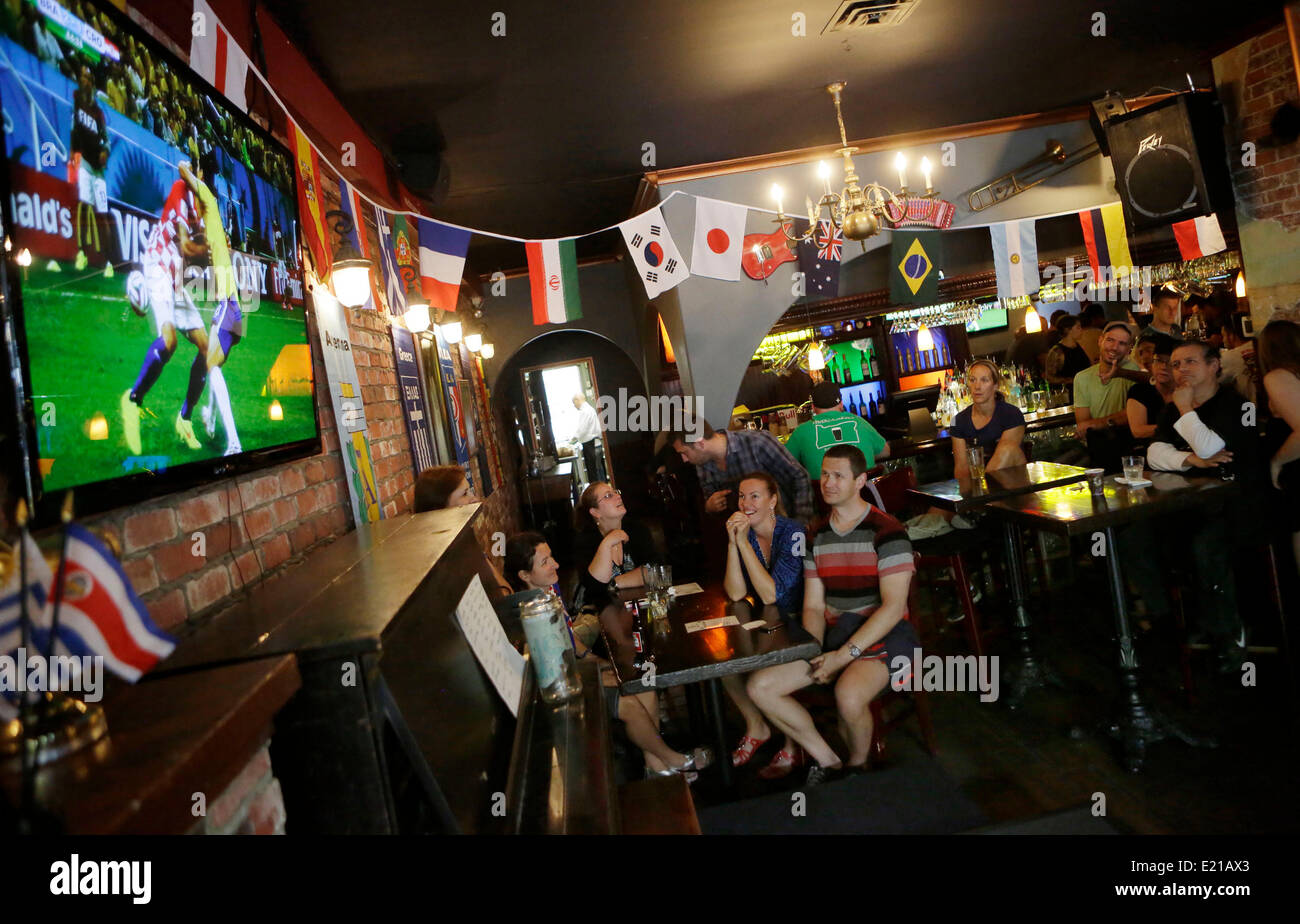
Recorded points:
719,233
553,277
216,57
1199,237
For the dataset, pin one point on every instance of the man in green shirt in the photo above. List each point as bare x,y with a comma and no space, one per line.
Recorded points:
833,426
1101,390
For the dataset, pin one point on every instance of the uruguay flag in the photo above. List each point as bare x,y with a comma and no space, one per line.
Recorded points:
442,262
101,615
39,580
393,287
1015,257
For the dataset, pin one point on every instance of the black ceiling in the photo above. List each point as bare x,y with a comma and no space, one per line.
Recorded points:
542,129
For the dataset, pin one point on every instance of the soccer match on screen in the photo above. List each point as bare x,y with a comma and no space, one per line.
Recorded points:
162,304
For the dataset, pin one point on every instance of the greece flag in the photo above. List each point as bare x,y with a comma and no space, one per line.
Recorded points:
1015,257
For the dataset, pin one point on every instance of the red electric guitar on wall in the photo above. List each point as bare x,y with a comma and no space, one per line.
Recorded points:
763,253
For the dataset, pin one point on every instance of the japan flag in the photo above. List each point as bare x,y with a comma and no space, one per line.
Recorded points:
719,234
657,260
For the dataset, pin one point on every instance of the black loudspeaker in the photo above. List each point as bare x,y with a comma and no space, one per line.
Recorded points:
1103,110
1169,160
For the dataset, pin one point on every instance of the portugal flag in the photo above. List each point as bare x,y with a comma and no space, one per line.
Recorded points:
553,274
311,204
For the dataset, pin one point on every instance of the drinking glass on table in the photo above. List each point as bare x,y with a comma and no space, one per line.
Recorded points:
1132,469
975,461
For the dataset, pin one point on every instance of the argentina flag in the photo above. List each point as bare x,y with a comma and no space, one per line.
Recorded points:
1015,257
394,290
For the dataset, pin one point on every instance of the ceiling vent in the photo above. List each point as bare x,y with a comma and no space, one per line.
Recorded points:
857,15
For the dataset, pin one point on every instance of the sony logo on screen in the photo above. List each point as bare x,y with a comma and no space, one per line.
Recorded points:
105,877
49,216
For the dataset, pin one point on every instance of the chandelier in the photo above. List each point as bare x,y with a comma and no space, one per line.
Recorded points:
858,211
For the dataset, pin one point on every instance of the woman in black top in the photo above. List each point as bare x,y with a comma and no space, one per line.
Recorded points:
990,423
1068,358
1279,360
608,552
1147,399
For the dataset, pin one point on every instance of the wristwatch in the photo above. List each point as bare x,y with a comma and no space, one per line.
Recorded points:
855,651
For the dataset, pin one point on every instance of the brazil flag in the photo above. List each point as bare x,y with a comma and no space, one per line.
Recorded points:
914,261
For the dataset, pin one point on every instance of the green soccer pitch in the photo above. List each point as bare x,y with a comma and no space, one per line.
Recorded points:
85,347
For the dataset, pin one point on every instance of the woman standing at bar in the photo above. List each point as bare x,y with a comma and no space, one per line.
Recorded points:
765,553
990,422
531,566
1068,357
1279,359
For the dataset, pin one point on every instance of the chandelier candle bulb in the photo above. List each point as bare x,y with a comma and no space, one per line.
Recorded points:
925,171
776,194
900,163
824,171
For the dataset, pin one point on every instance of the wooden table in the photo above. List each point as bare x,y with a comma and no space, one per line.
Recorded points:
967,494
168,738
681,657
1071,512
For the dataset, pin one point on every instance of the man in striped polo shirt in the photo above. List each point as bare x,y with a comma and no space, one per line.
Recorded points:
855,602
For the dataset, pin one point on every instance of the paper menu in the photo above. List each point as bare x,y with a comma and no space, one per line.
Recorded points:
700,625
685,590
478,620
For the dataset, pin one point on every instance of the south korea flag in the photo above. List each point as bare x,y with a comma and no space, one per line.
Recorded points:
657,260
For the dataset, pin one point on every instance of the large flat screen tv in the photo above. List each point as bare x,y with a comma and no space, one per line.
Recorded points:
154,276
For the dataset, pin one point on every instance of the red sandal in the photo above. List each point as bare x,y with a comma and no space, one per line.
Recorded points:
782,764
742,754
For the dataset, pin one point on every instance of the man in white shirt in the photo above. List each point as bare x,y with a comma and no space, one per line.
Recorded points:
1206,429
588,436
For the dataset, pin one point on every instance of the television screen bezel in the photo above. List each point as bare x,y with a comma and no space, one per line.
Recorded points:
141,486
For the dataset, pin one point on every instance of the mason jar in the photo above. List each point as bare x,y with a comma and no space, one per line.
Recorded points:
550,649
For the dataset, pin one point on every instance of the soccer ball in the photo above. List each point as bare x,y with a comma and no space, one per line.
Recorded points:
136,293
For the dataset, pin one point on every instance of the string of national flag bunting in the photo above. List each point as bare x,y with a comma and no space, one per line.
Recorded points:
414,248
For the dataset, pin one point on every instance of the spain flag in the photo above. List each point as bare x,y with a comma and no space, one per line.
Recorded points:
311,204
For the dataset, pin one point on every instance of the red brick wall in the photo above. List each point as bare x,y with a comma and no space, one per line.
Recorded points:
274,517
1271,188
251,804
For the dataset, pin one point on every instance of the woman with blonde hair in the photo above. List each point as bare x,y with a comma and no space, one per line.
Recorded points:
991,422
765,553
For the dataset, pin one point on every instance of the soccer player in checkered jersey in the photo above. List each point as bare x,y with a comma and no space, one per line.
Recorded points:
228,321
160,289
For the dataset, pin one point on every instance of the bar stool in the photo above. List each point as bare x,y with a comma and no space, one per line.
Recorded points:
1186,648
942,551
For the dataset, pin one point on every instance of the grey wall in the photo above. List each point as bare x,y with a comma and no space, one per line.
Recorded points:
608,309
722,323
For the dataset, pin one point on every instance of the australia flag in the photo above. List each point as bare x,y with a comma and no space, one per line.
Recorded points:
819,260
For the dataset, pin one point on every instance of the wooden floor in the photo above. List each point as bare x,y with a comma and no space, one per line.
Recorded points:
1056,752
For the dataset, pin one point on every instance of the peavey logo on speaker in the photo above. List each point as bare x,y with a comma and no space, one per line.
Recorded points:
1150,143
103,877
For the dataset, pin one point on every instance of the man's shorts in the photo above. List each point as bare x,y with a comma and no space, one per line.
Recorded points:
899,642
228,324
162,301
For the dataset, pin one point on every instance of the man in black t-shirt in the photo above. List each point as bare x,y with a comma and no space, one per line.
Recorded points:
1205,429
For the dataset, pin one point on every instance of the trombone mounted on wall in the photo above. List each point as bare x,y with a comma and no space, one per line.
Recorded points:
1052,161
